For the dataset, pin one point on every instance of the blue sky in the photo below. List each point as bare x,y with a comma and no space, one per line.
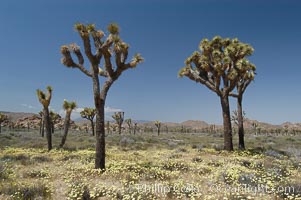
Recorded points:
165,33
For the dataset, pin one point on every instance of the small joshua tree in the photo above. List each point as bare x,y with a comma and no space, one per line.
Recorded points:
3,118
53,118
89,114
119,117
158,125
129,123
68,107
220,65
135,127
108,127
45,101
42,126
104,48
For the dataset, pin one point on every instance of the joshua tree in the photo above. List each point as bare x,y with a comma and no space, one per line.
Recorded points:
129,123
42,125
89,114
108,127
53,118
104,48
118,117
68,107
3,118
158,125
255,127
238,118
242,84
45,101
220,65
135,127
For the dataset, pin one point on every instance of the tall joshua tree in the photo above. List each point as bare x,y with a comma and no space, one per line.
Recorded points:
68,107
89,114
105,48
118,117
45,101
158,125
129,123
219,65
3,118
242,84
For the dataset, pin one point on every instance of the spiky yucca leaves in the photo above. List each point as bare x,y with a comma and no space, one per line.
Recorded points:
220,64
45,99
105,47
68,107
158,125
129,123
118,117
3,118
89,114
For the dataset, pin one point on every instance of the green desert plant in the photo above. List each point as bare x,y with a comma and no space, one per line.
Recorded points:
129,123
45,101
3,118
220,65
53,118
119,117
89,114
68,107
158,125
104,48
42,126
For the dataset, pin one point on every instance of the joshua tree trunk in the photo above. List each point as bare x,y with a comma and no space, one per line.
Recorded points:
93,129
241,142
0,127
228,145
100,134
66,128
99,100
47,127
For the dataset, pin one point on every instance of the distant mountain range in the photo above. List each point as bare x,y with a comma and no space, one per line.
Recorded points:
195,124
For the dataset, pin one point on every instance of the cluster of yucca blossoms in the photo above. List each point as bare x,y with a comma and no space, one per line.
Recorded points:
112,44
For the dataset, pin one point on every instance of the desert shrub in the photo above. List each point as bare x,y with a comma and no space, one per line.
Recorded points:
175,166
181,150
125,141
27,191
41,159
5,171
21,158
197,159
42,173
175,156
275,153
78,190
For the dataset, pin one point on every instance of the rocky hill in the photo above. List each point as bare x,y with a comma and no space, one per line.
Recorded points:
22,119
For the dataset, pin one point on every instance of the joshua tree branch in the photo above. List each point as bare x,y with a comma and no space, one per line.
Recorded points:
191,74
